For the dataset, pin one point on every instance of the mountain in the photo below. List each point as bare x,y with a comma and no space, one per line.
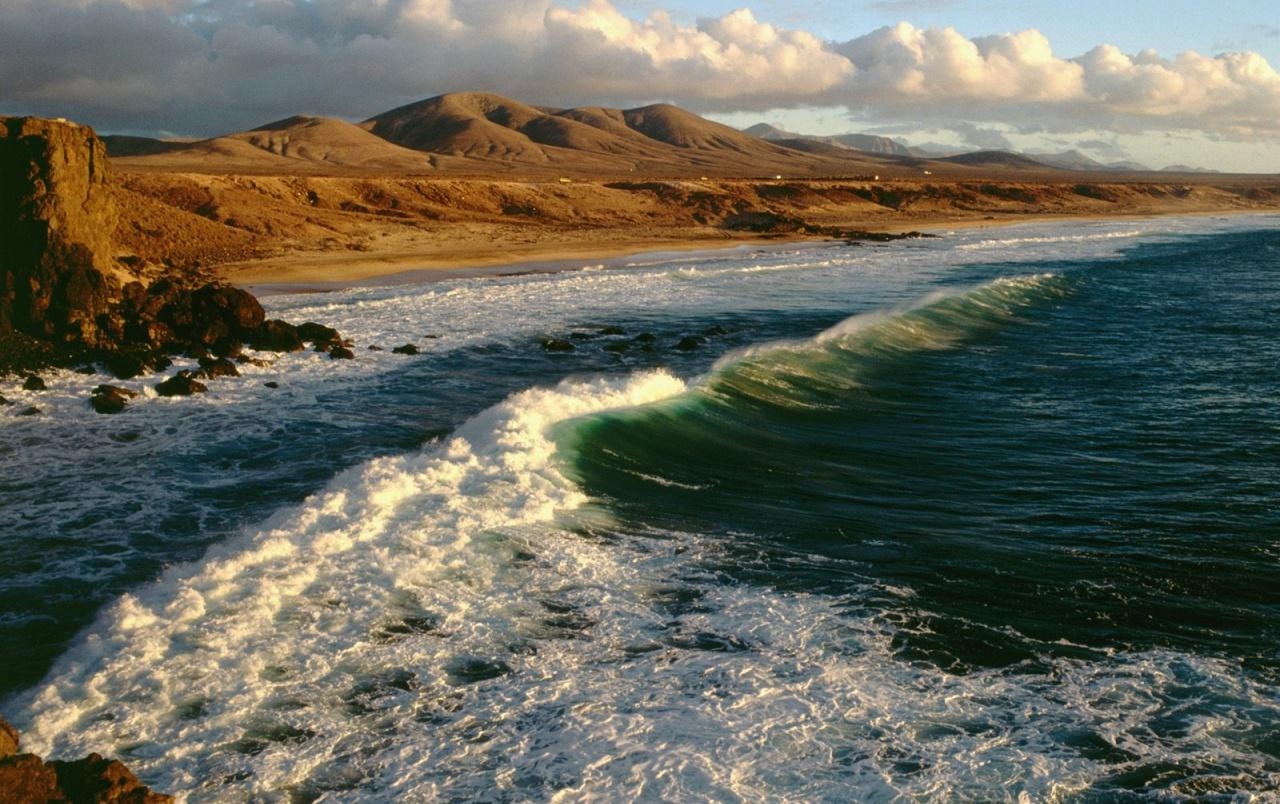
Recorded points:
868,143
1001,159
660,139
325,139
295,143
477,133
1075,160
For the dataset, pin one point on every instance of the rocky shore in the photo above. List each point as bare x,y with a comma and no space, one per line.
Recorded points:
66,299
28,779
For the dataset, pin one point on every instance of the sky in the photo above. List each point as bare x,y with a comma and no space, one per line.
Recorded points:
1162,83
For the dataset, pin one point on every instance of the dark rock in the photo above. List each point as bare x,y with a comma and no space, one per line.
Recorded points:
407,349
126,364
181,384
25,779
214,367
9,740
29,411
103,781
230,307
34,383
271,384
110,398
557,345
228,347
277,336
690,342
86,370
612,331
4,401
338,352
318,335
376,348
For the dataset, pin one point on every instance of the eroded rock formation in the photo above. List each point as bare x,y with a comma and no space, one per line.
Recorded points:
63,295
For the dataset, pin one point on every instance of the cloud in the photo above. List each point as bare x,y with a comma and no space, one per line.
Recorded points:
210,66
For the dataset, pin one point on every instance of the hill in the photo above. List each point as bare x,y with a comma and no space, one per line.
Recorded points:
477,133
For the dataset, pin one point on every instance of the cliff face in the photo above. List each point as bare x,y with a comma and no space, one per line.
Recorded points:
57,213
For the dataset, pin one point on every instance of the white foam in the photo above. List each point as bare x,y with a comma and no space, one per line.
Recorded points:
463,623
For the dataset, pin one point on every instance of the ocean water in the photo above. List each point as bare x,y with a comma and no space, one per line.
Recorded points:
988,517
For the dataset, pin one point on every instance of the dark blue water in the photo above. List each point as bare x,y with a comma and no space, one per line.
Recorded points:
1012,529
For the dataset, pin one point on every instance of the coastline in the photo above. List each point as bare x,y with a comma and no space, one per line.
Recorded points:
557,250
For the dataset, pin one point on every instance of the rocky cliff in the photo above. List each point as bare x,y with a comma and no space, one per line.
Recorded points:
63,295
57,276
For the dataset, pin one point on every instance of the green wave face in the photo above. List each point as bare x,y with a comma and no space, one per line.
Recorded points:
943,456
785,407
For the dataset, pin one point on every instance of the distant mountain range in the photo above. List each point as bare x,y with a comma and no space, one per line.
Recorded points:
482,133
1072,160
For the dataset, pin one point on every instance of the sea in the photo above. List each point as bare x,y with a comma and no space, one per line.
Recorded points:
991,516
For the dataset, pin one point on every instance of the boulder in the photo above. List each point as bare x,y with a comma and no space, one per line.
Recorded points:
321,337
33,382
103,781
407,349
690,342
340,352
110,398
25,779
557,345
183,383
130,362
214,367
277,336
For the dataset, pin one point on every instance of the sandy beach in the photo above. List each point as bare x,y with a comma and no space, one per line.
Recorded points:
255,230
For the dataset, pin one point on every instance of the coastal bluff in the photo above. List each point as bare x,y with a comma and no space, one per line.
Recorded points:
57,276
69,297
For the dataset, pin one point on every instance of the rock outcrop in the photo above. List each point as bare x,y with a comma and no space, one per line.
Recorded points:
64,298
28,779
57,213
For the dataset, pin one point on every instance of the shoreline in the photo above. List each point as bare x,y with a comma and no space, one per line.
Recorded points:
330,271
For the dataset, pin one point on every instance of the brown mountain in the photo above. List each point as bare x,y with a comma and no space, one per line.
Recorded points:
298,143
483,133
659,139
337,142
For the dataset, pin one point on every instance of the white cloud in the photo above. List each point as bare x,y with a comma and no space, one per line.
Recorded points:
207,66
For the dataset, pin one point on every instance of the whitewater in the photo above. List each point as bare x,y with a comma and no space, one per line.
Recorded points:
984,517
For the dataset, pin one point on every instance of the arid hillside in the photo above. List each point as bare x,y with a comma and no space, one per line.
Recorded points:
261,228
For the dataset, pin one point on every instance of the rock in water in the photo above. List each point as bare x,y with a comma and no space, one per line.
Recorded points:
181,384
110,398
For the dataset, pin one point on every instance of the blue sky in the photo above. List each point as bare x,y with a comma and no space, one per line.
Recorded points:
1158,82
